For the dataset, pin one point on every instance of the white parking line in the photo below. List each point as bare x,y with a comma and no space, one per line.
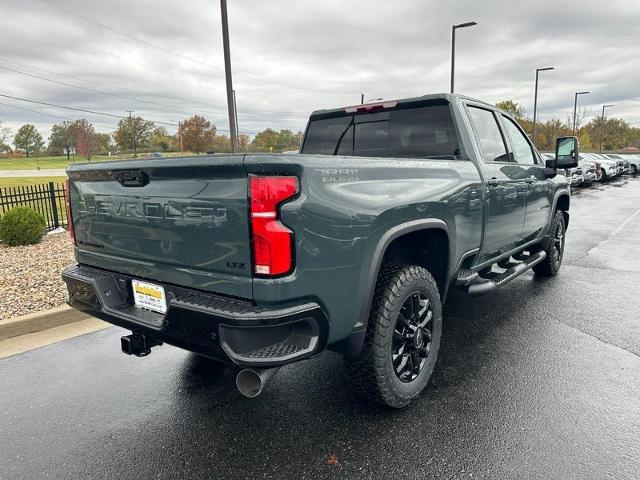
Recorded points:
620,227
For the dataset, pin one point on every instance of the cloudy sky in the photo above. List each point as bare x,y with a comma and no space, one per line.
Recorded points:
164,59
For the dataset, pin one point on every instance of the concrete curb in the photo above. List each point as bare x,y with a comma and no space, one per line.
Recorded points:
39,321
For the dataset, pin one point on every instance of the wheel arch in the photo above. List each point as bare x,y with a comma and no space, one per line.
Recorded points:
392,246
562,203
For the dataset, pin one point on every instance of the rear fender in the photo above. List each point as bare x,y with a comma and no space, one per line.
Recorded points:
352,345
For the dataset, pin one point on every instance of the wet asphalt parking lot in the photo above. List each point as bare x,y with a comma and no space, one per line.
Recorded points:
540,380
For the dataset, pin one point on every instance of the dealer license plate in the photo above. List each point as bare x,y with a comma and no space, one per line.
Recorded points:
149,296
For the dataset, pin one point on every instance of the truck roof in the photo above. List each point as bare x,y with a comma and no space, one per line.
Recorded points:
443,97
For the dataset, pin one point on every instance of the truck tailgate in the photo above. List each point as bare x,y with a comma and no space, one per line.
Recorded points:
182,221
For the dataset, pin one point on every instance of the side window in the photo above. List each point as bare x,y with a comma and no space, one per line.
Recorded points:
488,132
522,151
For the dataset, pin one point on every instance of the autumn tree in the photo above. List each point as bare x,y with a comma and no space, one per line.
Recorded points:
265,141
512,108
270,140
221,144
103,142
85,138
5,134
584,140
62,139
548,131
198,134
613,133
161,140
28,139
133,131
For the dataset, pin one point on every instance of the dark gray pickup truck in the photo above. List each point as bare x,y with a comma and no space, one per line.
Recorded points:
264,260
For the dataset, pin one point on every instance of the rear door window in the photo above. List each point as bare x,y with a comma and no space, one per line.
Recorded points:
488,133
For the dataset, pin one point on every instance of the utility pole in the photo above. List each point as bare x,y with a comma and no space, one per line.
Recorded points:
235,110
180,135
575,109
453,48
602,126
362,99
227,71
535,101
133,134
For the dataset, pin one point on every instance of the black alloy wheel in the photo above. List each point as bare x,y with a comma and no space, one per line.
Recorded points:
558,244
412,337
402,339
553,246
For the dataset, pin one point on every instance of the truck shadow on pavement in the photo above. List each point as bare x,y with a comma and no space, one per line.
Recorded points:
308,414
491,406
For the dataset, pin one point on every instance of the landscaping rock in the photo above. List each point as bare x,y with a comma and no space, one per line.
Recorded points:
30,276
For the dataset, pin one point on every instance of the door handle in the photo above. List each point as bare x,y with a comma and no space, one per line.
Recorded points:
492,182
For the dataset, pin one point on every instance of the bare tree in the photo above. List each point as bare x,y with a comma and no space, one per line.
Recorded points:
582,113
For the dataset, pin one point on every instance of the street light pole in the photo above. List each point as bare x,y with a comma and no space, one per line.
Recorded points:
575,109
602,126
453,49
535,101
227,71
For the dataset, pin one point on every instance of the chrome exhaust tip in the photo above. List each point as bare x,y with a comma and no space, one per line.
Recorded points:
251,382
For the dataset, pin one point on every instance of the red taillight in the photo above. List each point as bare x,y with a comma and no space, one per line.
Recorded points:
67,201
272,241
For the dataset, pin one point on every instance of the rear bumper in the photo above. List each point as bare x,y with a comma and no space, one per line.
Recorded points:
588,177
224,328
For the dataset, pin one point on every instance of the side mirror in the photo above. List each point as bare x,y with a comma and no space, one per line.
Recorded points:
567,152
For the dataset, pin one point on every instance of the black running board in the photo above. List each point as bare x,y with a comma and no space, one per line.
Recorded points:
482,286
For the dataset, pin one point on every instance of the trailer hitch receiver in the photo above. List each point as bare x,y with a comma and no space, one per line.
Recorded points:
137,344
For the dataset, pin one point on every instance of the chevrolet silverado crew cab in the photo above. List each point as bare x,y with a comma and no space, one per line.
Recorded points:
263,260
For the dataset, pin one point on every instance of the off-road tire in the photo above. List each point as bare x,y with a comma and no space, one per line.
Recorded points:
372,372
634,170
550,266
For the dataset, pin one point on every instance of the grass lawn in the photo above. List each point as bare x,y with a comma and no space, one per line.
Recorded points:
44,162
33,192
62,162
17,182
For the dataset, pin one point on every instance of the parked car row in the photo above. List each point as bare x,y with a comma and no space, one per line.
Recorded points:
600,167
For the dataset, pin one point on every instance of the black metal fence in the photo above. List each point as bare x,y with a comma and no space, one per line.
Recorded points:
48,199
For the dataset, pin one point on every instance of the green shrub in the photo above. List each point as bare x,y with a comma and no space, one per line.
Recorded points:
21,226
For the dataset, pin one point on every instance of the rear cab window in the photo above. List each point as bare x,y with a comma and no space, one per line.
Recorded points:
425,131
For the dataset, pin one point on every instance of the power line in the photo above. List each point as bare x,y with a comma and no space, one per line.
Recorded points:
94,112
181,108
65,107
91,89
110,127
177,54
